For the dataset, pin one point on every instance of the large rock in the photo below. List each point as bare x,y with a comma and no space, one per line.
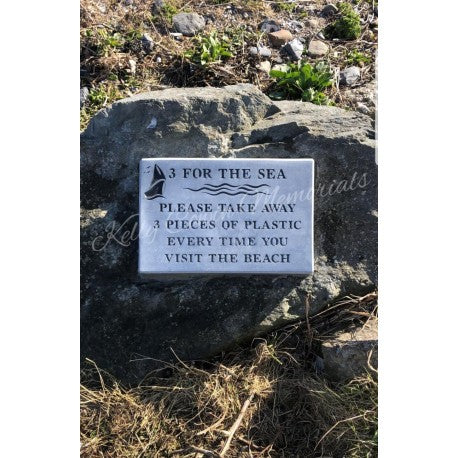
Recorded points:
127,324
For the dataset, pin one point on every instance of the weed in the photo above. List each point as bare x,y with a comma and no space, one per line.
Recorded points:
167,11
99,97
286,6
302,81
356,57
347,26
210,48
133,35
104,42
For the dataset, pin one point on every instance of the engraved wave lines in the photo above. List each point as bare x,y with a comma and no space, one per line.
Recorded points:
232,190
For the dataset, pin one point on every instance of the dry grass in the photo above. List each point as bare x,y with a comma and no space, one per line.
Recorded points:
265,401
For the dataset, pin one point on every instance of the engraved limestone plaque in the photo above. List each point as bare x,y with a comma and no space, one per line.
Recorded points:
226,216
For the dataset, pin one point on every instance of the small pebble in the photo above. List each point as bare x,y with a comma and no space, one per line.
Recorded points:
281,68
253,50
158,59
132,66
265,66
158,5
269,25
147,43
188,23
350,76
317,48
264,51
280,38
329,10
294,48
84,94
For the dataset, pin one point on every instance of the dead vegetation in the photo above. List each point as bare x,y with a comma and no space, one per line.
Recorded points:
270,400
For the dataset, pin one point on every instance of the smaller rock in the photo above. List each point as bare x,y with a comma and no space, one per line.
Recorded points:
296,26
321,36
294,48
264,51
269,25
280,38
132,67
265,66
176,35
188,23
329,10
147,43
352,354
245,15
158,5
317,48
363,108
350,76
261,51
278,60
281,68
253,50
158,59
84,94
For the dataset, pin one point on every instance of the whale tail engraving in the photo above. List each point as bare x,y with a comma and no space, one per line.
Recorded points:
157,184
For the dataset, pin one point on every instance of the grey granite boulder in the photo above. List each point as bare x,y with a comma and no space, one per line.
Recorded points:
188,23
127,323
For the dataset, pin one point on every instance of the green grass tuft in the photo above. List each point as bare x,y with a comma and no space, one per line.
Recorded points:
209,48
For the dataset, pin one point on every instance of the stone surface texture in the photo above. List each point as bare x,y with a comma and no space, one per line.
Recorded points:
188,23
280,38
352,354
269,25
128,324
317,48
350,76
294,49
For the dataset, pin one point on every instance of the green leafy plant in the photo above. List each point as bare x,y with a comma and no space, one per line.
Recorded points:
286,6
210,48
166,13
302,81
347,25
133,35
104,41
356,57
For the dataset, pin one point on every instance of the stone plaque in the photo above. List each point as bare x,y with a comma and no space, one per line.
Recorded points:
226,216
